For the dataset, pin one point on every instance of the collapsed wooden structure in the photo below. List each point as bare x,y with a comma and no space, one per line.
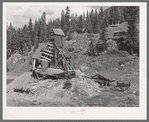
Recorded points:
51,52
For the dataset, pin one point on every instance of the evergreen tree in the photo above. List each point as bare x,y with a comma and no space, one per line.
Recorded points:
25,39
56,23
96,23
102,27
18,39
49,27
99,20
11,40
92,19
87,22
121,13
103,46
132,32
67,20
30,34
40,32
43,28
111,17
62,19
84,20
73,23
118,14
36,33
80,25
9,36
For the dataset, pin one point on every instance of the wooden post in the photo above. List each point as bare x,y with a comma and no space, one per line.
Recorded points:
55,56
55,52
34,63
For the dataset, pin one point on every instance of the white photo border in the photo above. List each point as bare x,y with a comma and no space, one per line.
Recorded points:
91,113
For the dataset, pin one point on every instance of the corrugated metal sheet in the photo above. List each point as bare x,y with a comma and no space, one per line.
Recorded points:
58,31
37,53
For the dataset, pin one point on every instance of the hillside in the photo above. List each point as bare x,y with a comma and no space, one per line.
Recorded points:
121,14
118,65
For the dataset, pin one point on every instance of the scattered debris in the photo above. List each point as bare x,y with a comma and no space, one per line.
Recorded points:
102,80
123,86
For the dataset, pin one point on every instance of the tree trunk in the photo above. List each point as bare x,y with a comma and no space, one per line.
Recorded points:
131,51
118,22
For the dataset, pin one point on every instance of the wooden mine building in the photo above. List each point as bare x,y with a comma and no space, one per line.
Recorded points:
52,52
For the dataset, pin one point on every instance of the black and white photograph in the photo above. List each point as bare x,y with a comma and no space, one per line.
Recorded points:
76,56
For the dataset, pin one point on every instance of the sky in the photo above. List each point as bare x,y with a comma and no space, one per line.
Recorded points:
19,15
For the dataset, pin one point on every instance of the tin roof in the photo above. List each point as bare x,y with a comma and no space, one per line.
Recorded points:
58,31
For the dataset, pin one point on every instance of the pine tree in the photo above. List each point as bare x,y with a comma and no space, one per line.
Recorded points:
92,19
96,23
43,28
36,33
62,19
25,39
122,16
118,15
73,23
80,25
67,21
49,27
111,17
18,39
87,22
99,20
9,36
11,40
132,32
30,34
103,46
57,23
102,27
84,20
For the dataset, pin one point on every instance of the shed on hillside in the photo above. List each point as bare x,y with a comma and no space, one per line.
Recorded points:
56,35
58,31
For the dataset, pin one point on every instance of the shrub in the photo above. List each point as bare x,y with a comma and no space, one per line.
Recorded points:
69,38
67,85
70,49
114,51
119,53
30,62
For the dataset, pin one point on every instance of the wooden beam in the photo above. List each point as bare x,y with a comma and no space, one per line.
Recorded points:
41,57
48,51
47,54
50,45
45,58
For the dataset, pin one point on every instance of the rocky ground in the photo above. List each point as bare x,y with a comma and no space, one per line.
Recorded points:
84,91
